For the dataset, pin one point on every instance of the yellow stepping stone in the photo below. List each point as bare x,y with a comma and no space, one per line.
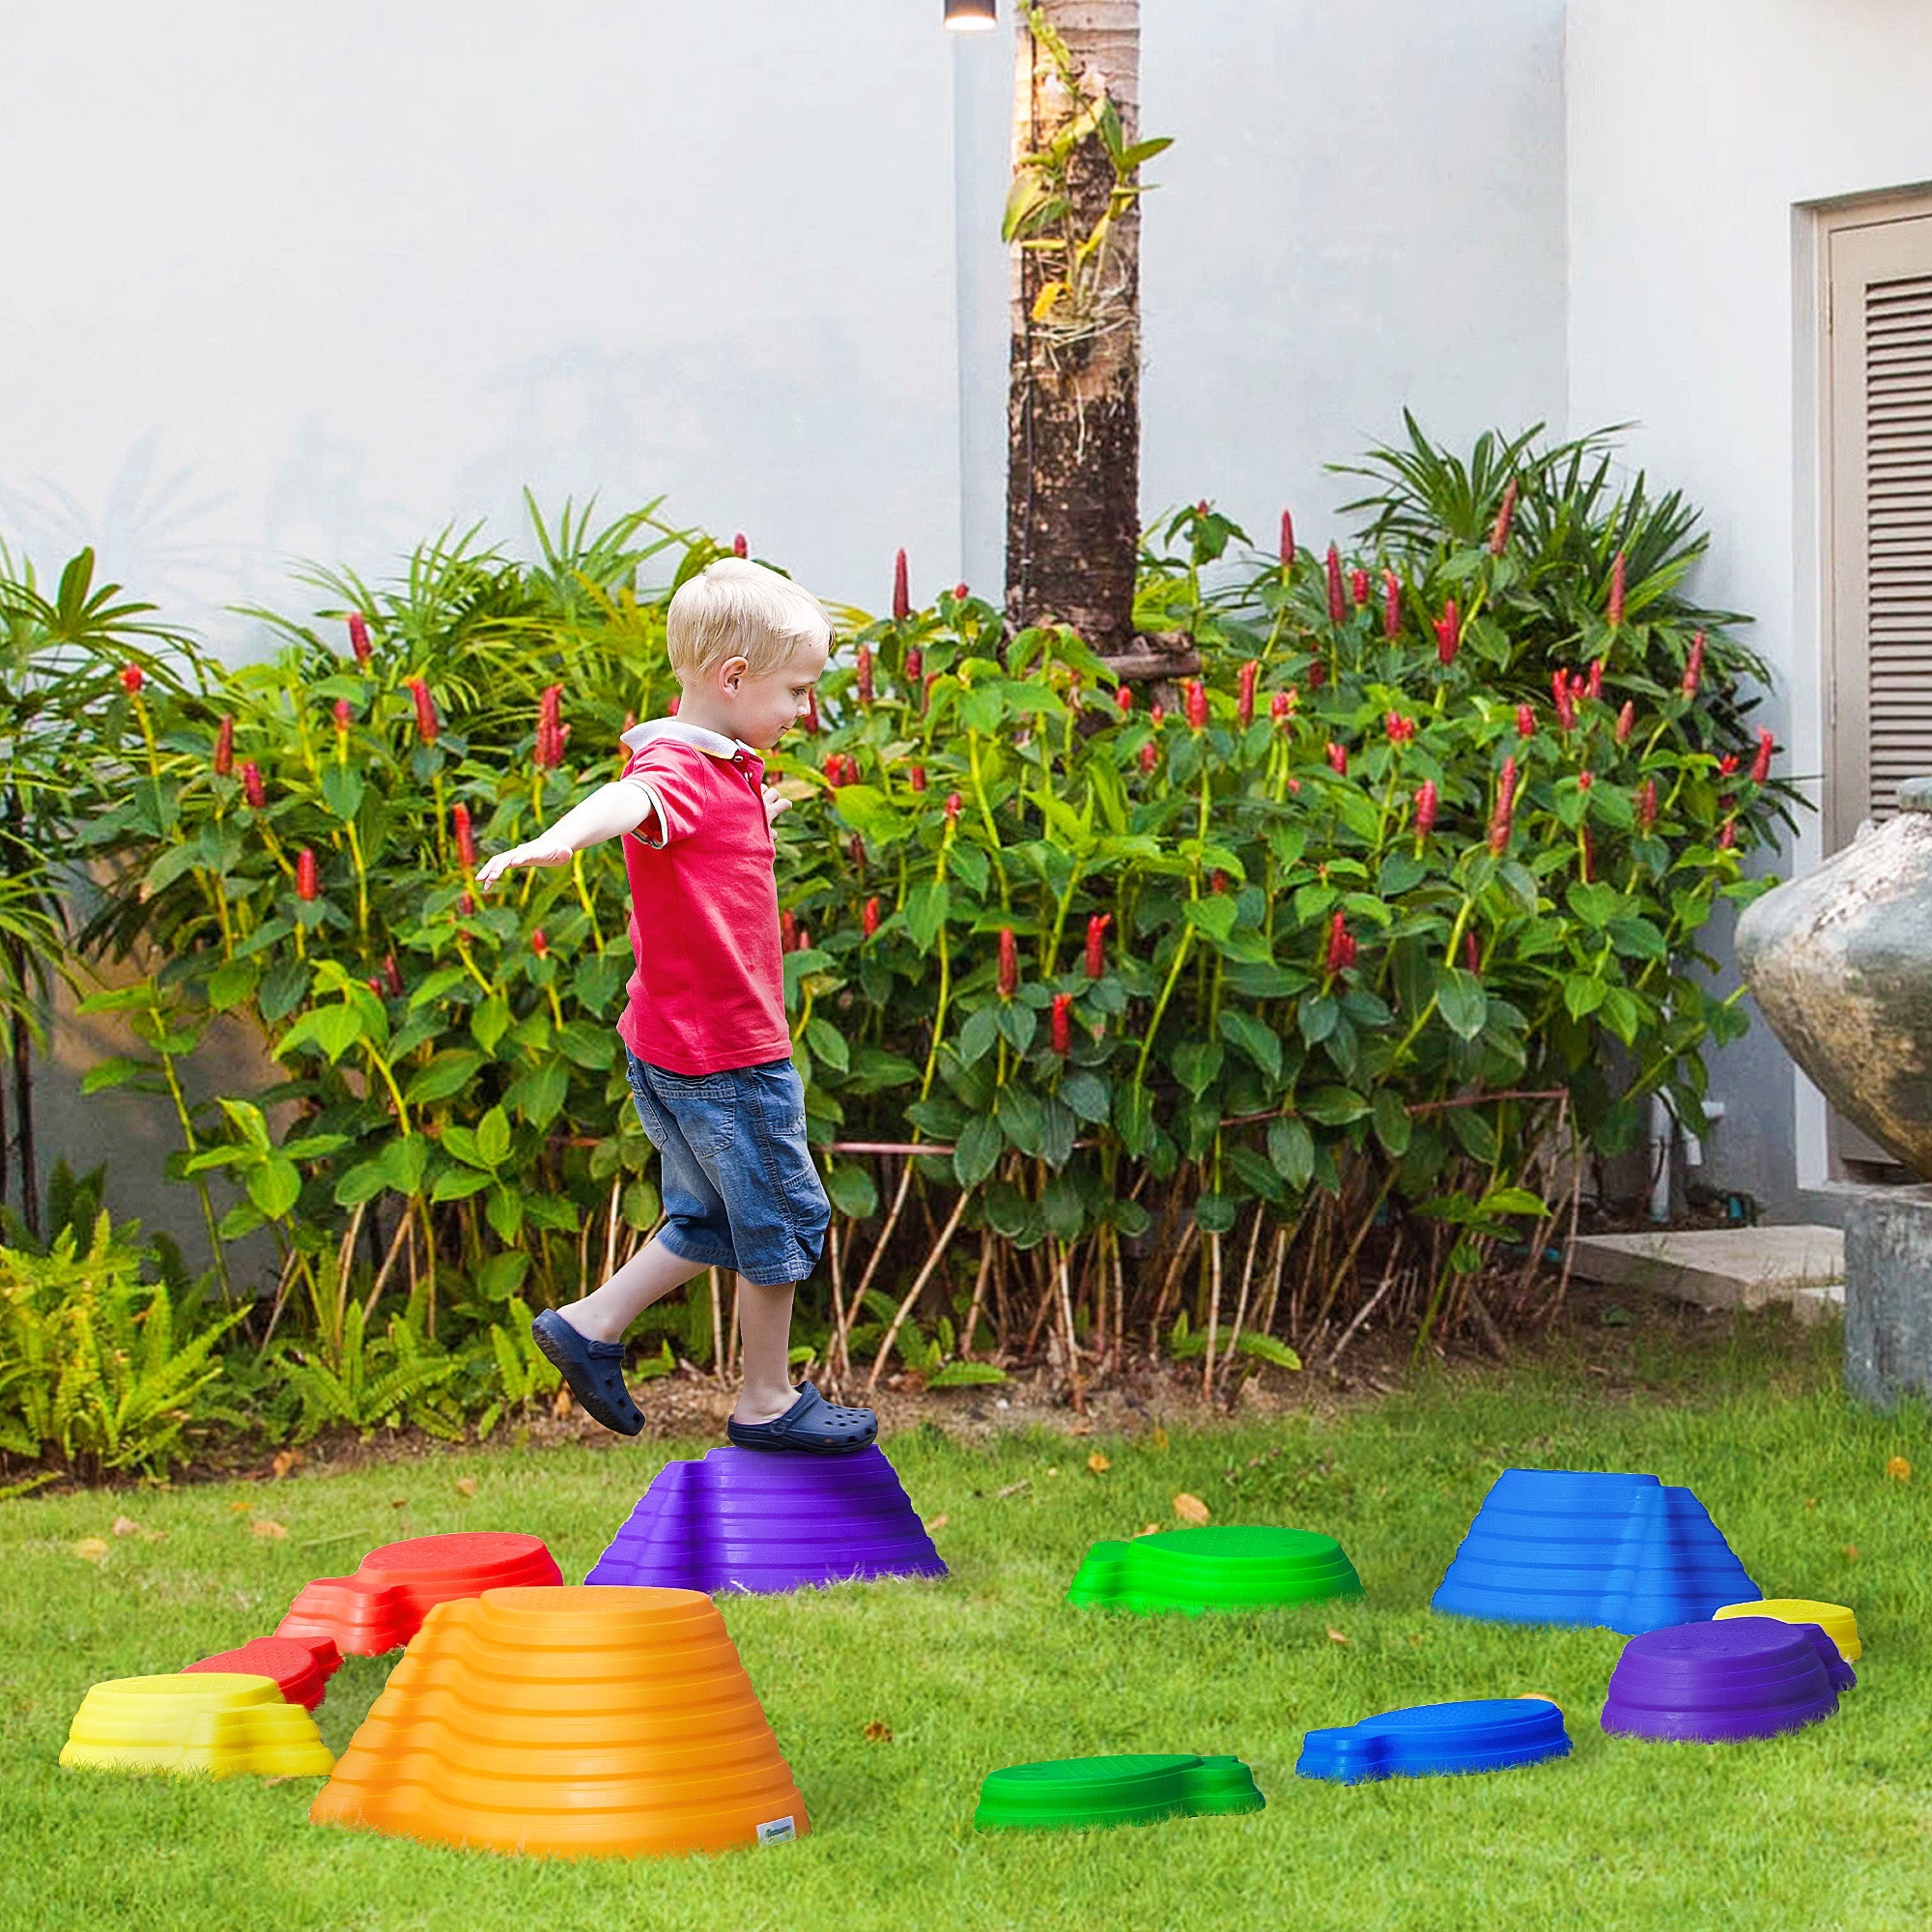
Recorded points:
216,1722
1833,1619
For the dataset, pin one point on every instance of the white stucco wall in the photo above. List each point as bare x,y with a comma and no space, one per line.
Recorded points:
1697,132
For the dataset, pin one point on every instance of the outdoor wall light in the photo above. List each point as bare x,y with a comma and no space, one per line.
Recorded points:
969,16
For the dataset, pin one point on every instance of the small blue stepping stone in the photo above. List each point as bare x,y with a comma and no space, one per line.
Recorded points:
1430,1740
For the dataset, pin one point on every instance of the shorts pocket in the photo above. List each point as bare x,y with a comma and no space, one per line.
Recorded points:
704,1106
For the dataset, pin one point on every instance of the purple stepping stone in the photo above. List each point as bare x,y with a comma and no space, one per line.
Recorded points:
741,1520
1720,1683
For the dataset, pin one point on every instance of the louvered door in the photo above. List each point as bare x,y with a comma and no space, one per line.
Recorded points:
1877,446
1879,430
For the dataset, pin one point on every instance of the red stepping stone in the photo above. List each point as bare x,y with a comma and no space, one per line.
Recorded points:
301,1666
383,1605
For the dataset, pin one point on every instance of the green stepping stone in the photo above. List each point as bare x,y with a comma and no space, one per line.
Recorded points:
1138,1789
1225,1567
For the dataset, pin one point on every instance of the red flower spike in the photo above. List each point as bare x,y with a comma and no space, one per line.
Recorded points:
1009,963
427,724
1338,760
307,883
1448,634
1280,706
1217,881
865,677
787,932
1693,666
1565,706
1761,764
1646,806
1294,786
375,985
1593,686
1400,730
1585,780
1727,837
913,672
1727,764
952,803
1425,807
1150,756
358,636
804,940
739,547
869,918
960,593
1245,708
902,595
1123,700
857,848
1391,604
1096,944
1472,958
465,842
540,942
1341,954
678,698
1525,720
1287,552
916,778
1317,675
132,677
1060,1024
1197,705
1615,612
834,769
1499,819
251,786
1337,608
1626,720
1499,530
392,976
1157,715
224,748
466,904
810,711
1359,586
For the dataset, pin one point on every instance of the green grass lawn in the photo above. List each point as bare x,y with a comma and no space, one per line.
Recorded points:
1824,1828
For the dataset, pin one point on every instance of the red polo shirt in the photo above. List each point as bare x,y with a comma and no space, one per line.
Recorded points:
708,994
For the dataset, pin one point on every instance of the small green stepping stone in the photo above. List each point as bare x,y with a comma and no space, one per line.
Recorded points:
1226,1566
1134,1790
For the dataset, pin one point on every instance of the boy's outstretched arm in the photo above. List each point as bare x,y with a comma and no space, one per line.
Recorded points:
610,810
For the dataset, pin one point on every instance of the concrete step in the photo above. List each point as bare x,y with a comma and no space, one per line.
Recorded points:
1802,1266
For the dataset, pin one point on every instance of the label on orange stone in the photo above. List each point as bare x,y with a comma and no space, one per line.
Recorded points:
775,1832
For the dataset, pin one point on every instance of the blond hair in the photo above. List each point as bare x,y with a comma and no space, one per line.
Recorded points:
734,607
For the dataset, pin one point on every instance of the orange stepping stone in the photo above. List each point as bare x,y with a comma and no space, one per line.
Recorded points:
575,1722
383,1604
301,1666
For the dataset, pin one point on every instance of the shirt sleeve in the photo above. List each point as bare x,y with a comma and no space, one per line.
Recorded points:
666,776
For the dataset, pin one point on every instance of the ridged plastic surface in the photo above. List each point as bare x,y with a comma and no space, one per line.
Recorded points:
1833,1619
1076,1792
1628,1554
1430,1740
301,1666
1721,1682
742,1520
1225,1567
383,1605
216,1723
569,1722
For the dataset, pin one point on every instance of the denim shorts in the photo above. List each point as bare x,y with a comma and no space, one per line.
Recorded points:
739,1187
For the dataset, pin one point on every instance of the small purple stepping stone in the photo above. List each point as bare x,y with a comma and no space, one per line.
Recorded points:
1720,1683
745,1520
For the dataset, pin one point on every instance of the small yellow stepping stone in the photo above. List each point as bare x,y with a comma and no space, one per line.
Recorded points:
1833,1619
218,1723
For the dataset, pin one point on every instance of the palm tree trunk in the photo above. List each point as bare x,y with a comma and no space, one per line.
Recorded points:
1073,407
23,1095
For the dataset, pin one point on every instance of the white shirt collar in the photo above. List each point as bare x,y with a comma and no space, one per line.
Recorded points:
714,744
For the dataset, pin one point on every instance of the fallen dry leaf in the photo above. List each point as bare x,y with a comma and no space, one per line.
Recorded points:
1150,1529
1899,1469
1098,1463
284,1460
90,1549
1052,1470
1534,1697
239,1509
1338,1637
1851,1552
1810,1502
1014,1488
465,1485
1191,1509
560,1407
126,1525
936,1522
877,1733
268,1529
1158,1438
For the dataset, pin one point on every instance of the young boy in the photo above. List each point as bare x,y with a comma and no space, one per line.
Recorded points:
704,1024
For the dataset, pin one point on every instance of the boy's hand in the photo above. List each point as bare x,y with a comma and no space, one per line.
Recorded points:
544,851
775,802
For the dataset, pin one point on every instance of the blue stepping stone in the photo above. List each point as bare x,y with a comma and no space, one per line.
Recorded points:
1432,1740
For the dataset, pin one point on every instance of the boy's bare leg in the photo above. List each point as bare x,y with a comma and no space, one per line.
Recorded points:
648,1276
764,1322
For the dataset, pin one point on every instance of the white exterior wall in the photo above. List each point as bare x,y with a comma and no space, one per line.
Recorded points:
1697,132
